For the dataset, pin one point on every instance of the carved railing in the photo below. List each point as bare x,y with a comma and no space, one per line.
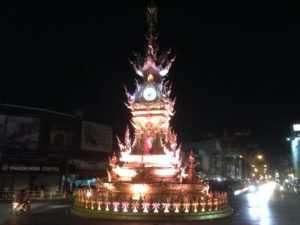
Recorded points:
213,201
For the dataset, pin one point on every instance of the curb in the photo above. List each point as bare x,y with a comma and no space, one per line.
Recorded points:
106,215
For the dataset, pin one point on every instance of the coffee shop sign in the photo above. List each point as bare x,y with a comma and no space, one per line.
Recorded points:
47,169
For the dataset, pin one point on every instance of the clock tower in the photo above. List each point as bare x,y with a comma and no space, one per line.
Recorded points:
150,105
154,145
148,180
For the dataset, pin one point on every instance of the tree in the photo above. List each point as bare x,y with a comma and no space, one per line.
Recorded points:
227,140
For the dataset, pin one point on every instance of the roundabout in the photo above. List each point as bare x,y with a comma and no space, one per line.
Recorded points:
148,177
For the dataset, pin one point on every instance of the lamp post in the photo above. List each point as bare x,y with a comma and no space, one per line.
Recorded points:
255,162
294,140
258,167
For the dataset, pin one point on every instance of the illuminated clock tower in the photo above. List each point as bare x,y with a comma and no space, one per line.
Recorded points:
153,153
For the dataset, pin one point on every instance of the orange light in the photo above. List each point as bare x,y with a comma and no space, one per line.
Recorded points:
138,190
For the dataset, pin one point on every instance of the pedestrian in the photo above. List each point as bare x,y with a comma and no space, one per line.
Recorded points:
6,192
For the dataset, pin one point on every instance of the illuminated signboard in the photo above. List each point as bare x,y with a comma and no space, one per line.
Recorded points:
296,127
29,168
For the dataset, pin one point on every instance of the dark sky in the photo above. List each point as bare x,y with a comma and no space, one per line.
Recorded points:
237,62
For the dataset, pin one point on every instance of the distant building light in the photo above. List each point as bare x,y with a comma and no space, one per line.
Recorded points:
296,127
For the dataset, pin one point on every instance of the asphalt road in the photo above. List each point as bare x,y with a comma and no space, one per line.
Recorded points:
248,208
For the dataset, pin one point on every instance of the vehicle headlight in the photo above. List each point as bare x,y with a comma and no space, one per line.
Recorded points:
252,188
281,188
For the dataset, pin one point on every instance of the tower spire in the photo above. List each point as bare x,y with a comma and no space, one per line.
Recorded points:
154,63
152,36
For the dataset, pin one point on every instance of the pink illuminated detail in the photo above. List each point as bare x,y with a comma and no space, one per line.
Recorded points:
149,160
148,144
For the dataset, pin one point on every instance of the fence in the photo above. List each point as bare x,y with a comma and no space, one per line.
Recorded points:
9,195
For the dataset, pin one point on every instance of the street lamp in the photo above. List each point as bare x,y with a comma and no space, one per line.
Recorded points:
259,157
256,166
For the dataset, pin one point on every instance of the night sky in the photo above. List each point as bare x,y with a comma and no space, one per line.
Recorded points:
237,64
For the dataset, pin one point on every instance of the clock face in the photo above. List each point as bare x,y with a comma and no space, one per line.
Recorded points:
149,93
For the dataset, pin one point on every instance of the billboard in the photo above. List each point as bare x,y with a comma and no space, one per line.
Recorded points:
20,132
61,134
96,137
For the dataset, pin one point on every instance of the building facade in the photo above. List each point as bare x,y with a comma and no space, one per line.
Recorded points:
43,149
209,157
214,161
295,150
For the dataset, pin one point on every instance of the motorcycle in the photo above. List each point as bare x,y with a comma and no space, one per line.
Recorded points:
20,207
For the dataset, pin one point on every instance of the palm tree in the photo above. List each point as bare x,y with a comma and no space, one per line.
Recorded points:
227,140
